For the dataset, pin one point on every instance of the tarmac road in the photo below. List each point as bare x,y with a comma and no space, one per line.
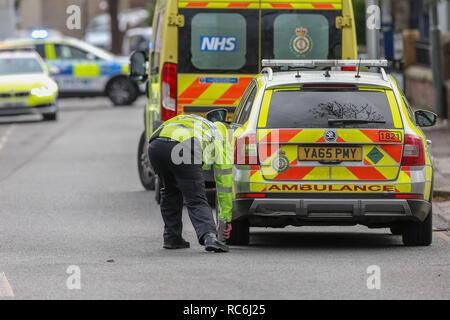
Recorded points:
70,196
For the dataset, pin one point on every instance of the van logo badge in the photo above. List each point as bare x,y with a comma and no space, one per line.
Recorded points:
302,42
330,136
281,163
218,43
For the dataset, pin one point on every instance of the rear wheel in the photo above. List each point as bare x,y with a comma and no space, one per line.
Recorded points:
240,233
419,233
122,91
146,173
396,231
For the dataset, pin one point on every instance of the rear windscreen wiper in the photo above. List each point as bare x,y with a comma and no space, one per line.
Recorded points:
345,121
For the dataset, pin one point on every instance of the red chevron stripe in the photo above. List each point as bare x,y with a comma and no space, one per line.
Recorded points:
366,173
294,173
194,91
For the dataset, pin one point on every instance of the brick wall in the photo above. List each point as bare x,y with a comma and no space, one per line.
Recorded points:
419,88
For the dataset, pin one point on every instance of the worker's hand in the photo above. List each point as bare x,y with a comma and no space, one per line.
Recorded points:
227,231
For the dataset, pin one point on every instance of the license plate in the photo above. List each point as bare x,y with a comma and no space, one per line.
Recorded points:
330,153
13,105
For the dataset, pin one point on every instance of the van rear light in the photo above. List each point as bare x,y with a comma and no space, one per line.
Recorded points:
250,195
246,150
169,91
408,196
413,151
348,69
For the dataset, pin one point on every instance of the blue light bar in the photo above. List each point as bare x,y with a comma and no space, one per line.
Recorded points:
39,34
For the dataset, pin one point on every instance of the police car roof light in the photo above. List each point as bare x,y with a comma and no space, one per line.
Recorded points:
323,63
39,34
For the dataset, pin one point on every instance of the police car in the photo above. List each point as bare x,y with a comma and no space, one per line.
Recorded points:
25,87
80,69
331,147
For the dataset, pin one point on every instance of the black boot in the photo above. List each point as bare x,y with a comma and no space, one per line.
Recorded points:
212,244
179,244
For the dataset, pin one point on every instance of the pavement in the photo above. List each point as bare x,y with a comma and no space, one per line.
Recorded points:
75,223
440,149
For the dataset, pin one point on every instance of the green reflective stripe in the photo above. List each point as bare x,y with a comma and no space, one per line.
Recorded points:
223,172
224,190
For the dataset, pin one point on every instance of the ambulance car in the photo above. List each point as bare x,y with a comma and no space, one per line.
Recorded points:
331,148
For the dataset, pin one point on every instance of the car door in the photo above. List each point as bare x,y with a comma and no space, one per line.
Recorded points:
77,70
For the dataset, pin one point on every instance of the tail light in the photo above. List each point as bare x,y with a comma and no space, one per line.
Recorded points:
246,150
250,195
348,69
413,151
169,91
408,196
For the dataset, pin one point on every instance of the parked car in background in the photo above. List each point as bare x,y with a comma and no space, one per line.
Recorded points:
25,86
80,69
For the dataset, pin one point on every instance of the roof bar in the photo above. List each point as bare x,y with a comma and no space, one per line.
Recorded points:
323,63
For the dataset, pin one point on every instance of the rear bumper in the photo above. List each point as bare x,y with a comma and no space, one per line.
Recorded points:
280,212
15,111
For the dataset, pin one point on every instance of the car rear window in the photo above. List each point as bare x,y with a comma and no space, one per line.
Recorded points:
314,109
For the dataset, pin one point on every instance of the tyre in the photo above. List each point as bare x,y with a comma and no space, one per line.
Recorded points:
146,173
419,233
122,91
240,233
396,231
50,116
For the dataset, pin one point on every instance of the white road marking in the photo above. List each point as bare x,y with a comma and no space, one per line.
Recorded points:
5,288
5,137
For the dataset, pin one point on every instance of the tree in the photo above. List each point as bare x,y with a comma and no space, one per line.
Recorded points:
116,34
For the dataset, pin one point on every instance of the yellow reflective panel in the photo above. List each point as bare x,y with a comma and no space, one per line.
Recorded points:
342,173
394,109
262,122
86,70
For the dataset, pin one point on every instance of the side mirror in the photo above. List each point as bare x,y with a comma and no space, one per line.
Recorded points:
138,66
217,115
91,56
425,118
53,70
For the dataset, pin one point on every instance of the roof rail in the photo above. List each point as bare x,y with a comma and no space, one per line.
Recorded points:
269,72
323,63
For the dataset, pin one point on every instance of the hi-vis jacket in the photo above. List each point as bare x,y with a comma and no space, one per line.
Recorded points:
217,151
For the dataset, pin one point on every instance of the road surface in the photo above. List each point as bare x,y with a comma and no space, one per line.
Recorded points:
75,223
